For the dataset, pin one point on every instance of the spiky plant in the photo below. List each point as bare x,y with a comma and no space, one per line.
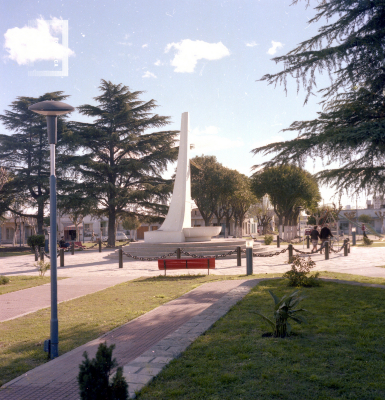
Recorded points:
285,308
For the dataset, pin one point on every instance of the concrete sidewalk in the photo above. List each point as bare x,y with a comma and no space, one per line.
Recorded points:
143,346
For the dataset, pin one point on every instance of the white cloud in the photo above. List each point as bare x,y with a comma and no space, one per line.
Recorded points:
144,46
148,74
30,44
158,63
188,52
208,139
251,44
274,47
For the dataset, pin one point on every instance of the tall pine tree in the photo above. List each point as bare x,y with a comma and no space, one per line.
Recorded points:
351,127
25,153
120,166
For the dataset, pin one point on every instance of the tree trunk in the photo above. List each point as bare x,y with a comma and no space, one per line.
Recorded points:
40,219
280,226
111,226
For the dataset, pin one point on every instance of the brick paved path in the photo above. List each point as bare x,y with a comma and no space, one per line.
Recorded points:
57,378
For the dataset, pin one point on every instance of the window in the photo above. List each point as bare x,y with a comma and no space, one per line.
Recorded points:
9,233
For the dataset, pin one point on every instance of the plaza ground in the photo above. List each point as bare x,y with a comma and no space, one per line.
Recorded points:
90,271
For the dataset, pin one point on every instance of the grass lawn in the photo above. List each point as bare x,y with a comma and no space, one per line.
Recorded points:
15,253
23,282
88,317
338,354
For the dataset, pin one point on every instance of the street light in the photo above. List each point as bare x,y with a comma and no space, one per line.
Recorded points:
354,235
249,256
51,109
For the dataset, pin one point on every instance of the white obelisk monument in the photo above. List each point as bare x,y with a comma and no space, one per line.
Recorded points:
179,213
176,228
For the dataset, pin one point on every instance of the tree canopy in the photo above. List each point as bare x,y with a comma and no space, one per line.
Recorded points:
25,153
219,191
207,185
288,188
121,166
350,128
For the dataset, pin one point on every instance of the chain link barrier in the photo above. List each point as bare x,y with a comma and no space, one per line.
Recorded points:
291,241
48,256
149,258
200,256
268,255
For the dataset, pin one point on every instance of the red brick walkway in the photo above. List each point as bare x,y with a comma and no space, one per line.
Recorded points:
57,378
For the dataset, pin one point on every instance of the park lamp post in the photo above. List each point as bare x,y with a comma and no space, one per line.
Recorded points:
249,256
354,235
51,109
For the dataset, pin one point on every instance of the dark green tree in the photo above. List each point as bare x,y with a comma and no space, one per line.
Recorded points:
288,188
351,127
242,200
121,166
206,185
94,376
25,153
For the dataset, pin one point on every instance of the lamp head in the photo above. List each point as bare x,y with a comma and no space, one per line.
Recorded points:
353,229
51,108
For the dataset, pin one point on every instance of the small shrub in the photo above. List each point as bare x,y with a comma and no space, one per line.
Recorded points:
284,309
367,241
94,377
42,267
3,280
36,241
298,275
268,239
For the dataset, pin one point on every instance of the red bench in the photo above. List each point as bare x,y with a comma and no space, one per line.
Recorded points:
78,245
187,263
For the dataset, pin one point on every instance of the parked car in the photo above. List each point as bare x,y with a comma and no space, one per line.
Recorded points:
120,237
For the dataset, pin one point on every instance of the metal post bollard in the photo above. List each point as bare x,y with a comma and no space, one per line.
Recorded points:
308,242
120,258
72,248
345,247
278,242
239,254
36,254
42,253
348,246
326,250
249,261
178,253
61,257
100,245
290,252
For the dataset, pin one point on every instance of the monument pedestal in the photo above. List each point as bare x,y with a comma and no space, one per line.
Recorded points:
197,234
163,237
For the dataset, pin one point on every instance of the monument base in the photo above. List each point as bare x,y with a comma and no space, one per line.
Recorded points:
195,234
164,237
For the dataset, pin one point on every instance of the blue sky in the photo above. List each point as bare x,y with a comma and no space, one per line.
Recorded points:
204,57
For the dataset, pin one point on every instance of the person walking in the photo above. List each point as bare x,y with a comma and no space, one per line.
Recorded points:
324,236
363,228
314,235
